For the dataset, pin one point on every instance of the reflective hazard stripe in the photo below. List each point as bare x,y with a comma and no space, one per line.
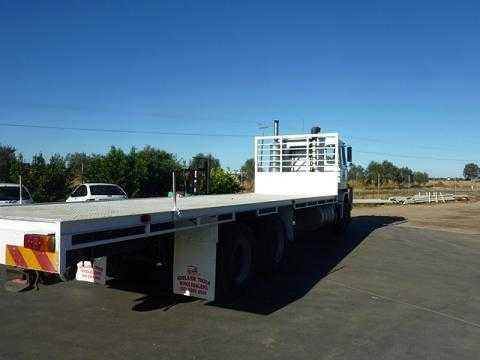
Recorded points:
16,256
19,256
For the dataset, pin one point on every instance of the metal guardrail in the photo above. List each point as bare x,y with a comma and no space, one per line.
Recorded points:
297,153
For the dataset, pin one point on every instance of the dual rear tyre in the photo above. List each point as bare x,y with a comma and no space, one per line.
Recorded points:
241,256
236,254
273,245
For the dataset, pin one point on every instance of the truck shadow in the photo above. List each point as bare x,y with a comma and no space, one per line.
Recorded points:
312,257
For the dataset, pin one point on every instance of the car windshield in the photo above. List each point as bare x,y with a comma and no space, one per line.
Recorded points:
10,193
109,190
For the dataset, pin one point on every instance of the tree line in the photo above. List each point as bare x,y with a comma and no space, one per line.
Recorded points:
148,172
386,172
141,173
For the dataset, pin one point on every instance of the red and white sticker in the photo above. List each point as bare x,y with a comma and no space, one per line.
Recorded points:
93,274
193,284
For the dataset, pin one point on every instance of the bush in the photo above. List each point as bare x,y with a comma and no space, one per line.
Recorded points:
222,182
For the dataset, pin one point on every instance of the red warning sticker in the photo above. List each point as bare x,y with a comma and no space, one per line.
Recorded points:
192,283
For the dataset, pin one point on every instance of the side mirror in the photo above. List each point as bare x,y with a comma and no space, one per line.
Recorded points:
349,154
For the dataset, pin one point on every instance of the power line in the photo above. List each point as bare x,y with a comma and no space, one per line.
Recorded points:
154,114
183,133
122,131
379,141
412,156
178,116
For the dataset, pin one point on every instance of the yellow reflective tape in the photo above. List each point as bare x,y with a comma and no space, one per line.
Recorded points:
30,258
53,259
8,258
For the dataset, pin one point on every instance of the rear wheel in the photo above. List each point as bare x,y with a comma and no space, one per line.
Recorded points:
69,274
272,244
236,260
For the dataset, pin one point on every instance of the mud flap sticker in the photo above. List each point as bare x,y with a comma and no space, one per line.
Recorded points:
195,261
93,274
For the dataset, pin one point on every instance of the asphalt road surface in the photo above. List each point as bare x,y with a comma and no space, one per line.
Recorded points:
387,291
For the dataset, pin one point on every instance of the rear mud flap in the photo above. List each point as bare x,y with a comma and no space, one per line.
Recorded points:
92,273
194,262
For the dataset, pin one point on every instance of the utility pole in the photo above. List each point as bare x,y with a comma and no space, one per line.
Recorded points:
207,174
378,185
81,175
185,178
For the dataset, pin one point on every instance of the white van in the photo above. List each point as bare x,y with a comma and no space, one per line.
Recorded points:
97,192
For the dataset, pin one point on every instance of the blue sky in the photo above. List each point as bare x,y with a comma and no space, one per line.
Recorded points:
395,78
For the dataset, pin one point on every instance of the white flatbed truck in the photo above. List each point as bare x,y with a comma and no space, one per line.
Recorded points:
219,241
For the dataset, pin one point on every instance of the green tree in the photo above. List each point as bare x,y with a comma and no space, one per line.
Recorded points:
223,182
20,168
390,172
406,175
94,169
248,169
76,163
374,172
420,177
57,179
356,173
47,181
199,161
36,178
152,170
471,171
7,161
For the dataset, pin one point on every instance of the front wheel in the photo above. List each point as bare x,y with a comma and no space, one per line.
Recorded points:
344,220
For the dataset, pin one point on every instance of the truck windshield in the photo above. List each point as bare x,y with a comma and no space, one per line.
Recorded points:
106,190
10,193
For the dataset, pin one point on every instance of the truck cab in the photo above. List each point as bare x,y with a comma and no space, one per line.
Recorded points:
309,164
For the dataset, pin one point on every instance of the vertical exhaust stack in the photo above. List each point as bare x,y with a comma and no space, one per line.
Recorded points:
276,127
315,130
275,163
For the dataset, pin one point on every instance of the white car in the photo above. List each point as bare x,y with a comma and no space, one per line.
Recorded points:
97,192
10,195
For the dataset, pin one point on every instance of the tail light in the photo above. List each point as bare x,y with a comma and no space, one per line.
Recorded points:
39,242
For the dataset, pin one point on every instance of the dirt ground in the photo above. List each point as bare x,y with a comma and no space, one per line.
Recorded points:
460,217
471,189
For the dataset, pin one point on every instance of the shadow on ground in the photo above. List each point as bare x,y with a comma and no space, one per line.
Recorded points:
312,257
